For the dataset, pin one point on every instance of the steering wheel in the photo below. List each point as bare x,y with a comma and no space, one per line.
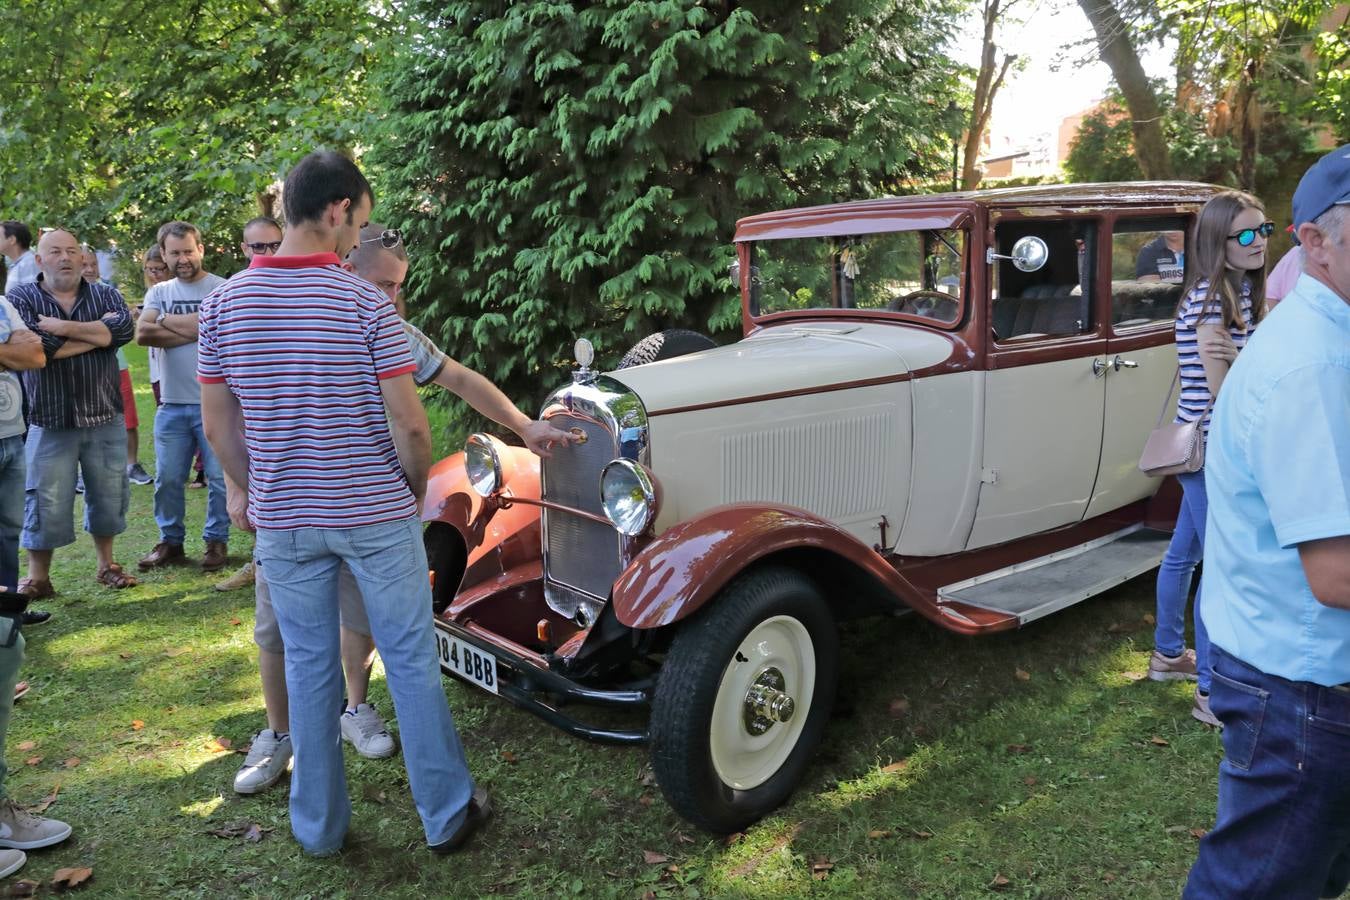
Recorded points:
925,303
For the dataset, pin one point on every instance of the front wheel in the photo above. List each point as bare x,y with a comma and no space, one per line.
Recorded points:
742,699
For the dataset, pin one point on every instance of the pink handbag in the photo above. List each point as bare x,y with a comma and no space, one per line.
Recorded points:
1175,448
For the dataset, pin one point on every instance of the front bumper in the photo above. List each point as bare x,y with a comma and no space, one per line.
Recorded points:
525,679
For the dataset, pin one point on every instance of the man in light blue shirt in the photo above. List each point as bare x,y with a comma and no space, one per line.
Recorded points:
1277,578
16,243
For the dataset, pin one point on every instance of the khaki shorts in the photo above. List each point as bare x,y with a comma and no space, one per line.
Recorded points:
351,609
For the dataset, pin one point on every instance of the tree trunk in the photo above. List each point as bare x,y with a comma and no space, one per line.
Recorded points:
987,83
1115,49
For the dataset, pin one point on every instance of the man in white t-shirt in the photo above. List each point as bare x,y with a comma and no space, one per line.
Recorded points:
169,321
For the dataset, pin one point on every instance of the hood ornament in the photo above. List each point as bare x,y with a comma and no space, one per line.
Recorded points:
585,355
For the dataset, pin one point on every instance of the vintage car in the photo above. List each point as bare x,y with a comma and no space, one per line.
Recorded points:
938,406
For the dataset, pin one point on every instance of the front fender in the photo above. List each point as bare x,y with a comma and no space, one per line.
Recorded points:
497,537
687,564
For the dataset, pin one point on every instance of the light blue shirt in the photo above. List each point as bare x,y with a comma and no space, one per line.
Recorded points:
1277,473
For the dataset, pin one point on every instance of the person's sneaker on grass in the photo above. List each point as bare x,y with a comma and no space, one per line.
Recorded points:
365,730
243,578
1172,668
136,474
32,617
21,830
11,861
268,759
1200,711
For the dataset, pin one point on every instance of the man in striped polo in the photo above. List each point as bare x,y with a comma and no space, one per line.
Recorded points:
74,413
309,402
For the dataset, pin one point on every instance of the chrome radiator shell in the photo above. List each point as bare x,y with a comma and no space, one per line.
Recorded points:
582,557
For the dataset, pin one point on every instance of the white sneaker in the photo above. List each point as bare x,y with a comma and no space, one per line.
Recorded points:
364,730
11,861
268,759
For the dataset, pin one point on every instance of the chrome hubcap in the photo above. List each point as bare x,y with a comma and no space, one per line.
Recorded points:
766,703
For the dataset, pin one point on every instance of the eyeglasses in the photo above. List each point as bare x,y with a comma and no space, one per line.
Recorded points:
1247,236
389,239
264,246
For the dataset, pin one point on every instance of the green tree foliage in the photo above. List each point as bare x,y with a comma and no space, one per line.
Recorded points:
1103,149
575,169
116,117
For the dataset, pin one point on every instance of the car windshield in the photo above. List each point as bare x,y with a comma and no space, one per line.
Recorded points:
918,273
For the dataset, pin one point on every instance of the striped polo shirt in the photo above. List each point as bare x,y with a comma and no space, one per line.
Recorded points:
1195,395
303,345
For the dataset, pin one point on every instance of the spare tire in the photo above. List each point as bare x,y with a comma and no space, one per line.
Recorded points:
665,345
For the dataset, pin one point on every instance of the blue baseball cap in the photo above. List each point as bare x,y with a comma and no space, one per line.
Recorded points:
1325,185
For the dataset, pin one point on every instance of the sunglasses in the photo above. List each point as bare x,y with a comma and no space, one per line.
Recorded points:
389,239
1247,236
264,246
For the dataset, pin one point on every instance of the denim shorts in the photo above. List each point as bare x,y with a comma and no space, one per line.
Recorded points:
266,632
55,456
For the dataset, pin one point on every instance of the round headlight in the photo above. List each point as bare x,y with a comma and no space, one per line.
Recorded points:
482,464
628,496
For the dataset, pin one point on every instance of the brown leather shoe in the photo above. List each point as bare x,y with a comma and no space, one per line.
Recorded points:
164,554
215,557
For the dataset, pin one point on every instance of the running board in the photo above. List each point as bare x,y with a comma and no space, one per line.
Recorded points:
1048,584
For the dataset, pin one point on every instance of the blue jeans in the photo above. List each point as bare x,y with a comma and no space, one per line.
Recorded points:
1283,828
178,435
53,457
11,509
390,565
1174,579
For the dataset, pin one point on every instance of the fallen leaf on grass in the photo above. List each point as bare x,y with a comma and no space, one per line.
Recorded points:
28,745
1198,833
219,744
32,760
897,766
508,756
1110,877
878,833
820,867
1149,620
684,839
254,834
1022,674
23,888
899,708
41,806
652,858
373,794
236,621
176,651
649,895
1135,676
920,835
249,831
72,762
1019,748
137,724
1158,742
126,655
65,879
1030,781
646,800
734,838
999,883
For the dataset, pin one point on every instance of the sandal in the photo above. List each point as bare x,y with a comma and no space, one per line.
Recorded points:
114,577
20,689
36,589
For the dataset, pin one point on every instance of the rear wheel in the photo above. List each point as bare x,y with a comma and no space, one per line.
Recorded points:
742,699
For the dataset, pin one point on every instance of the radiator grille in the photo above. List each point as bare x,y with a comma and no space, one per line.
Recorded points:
580,553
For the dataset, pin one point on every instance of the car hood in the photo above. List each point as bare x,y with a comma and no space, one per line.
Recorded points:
784,360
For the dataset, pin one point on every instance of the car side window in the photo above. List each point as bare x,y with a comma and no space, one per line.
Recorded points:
1148,264
1057,298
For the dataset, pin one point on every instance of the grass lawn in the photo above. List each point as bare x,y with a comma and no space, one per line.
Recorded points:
1035,764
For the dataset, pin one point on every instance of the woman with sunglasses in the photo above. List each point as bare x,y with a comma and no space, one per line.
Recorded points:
1222,299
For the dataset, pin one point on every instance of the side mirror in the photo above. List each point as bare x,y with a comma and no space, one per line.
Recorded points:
1029,254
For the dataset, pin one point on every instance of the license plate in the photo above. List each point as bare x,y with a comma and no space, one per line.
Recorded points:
466,661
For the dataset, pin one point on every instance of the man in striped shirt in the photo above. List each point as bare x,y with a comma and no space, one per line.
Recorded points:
309,402
74,413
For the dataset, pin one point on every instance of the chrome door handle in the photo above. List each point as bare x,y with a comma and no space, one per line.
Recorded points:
1119,364
1099,366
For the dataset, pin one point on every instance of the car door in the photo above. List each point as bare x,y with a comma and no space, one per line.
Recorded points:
1044,398
1145,288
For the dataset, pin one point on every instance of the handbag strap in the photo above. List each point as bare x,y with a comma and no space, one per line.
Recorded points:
1168,401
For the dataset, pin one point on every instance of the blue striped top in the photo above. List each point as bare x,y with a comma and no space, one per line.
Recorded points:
1195,394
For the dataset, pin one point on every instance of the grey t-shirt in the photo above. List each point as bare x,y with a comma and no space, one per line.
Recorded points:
428,358
11,394
178,365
